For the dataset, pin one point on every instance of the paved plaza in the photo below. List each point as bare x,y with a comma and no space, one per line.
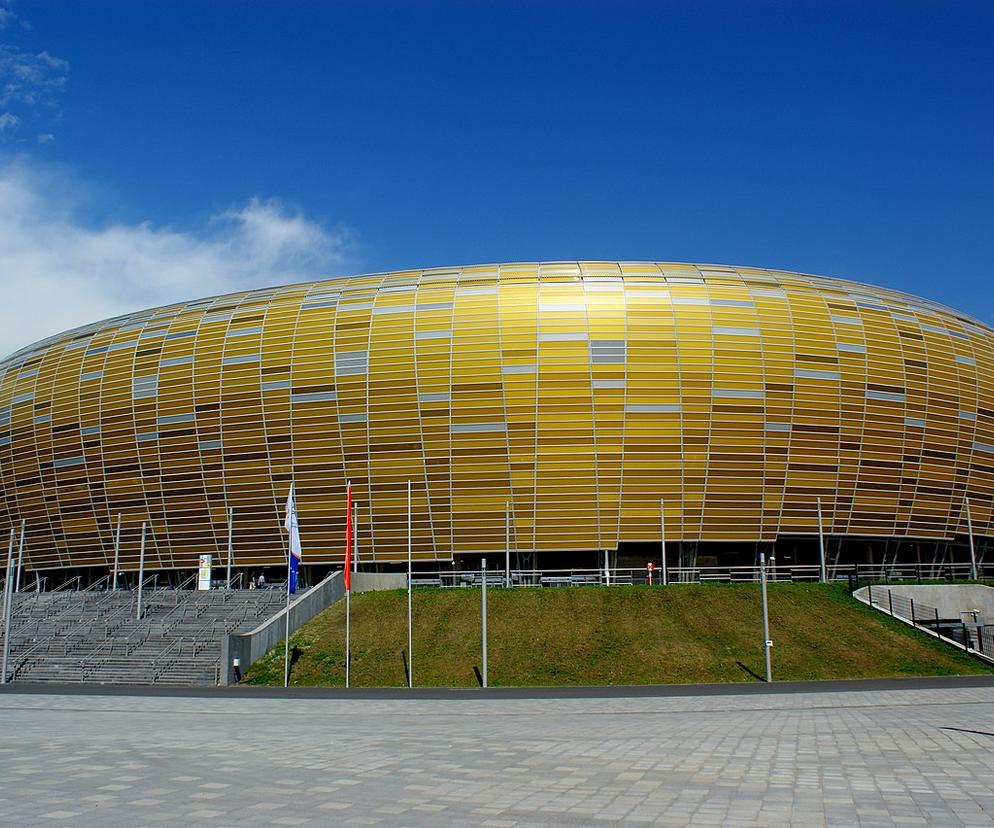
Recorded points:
869,757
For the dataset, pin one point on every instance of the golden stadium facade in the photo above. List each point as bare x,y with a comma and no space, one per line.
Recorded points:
581,394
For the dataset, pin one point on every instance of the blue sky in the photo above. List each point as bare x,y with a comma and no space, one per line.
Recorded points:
165,143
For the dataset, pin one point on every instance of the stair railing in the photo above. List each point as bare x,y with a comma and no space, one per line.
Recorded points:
90,659
158,667
93,587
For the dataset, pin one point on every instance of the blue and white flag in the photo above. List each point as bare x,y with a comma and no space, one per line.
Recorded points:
291,526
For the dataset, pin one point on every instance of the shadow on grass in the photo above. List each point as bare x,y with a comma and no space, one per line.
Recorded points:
750,672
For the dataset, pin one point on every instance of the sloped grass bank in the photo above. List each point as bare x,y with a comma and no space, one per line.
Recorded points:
609,635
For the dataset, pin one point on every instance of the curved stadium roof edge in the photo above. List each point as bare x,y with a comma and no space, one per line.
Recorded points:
385,273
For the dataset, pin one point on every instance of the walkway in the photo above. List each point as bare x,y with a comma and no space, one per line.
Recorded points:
918,755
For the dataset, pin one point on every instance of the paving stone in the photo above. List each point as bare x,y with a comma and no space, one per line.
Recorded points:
887,757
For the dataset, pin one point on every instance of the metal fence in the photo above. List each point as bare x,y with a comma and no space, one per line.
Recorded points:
620,576
971,634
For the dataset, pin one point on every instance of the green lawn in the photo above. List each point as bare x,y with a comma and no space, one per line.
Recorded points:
610,635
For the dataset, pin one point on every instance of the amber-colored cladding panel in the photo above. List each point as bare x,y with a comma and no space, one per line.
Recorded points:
581,394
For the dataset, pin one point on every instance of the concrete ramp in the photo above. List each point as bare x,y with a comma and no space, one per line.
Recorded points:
240,651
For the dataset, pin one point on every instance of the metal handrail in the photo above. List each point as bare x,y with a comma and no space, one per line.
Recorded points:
155,673
109,643
31,621
77,579
185,581
169,620
93,587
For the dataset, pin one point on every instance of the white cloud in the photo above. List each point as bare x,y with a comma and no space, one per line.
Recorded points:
30,79
7,16
8,121
58,272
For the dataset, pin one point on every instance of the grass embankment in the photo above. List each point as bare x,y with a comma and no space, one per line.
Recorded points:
610,635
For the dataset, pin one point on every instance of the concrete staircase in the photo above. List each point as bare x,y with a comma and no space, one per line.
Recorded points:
96,637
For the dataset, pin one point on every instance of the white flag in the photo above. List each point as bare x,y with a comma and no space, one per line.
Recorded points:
291,526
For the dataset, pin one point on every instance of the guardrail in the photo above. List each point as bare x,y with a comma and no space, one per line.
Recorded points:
974,638
627,576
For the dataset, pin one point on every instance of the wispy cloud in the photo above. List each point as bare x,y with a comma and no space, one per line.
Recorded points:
31,85
31,79
8,17
57,271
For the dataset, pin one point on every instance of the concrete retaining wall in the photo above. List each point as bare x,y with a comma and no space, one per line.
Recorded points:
247,648
950,599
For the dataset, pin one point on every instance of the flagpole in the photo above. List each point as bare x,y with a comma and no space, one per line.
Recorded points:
766,617
410,637
349,530
286,643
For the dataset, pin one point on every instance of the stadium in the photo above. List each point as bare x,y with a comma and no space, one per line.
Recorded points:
562,410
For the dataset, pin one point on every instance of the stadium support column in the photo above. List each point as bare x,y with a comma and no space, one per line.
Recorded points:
662,539
20,555
6,606
231,529
607,568
507,544
822,574
141,572
969,532
117,554
766,616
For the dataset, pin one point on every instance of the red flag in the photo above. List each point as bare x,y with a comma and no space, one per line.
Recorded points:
348,538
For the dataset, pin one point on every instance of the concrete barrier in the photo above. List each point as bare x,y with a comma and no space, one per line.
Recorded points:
247,648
